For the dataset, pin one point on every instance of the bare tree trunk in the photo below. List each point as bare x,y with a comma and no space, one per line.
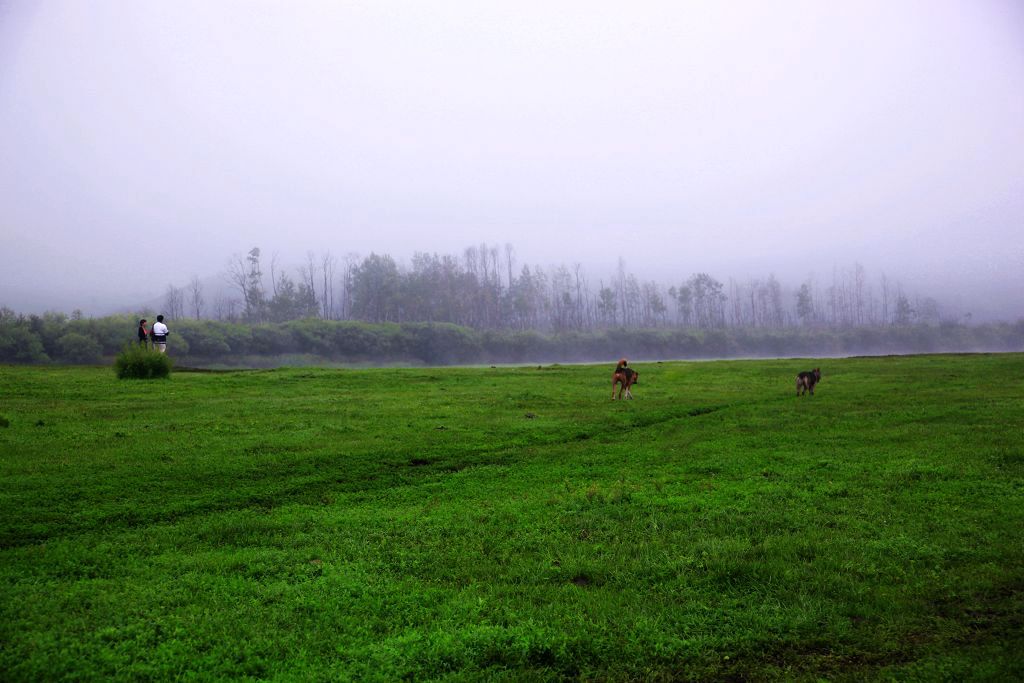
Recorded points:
273,276
308,273
174,301
327,265
510,257
237,275
885,300
196,296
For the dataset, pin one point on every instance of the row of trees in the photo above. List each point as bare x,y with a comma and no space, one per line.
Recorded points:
484,290
56,337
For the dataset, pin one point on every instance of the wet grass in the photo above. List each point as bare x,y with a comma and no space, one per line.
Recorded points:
510,523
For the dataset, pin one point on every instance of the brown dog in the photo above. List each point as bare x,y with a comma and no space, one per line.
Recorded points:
624,377
805,381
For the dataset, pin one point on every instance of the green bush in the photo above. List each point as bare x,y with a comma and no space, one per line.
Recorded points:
21,345
269,340
441,343
78,348
205,339
110,332
138,362
353,340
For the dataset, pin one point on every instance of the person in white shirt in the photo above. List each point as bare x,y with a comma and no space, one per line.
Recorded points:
159,335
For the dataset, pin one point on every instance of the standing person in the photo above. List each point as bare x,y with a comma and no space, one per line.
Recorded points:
143,333
159,335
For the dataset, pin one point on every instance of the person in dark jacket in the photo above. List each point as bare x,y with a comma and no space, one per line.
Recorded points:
143,333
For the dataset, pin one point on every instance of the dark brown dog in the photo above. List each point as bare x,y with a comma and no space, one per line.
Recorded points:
624,377
805,381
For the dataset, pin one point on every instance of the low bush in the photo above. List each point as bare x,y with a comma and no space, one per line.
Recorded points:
139,362
21,345
75,347
55,337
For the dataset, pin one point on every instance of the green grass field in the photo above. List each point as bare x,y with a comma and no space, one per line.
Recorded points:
514,523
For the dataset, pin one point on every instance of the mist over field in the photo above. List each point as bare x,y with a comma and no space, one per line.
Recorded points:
358,340
145,146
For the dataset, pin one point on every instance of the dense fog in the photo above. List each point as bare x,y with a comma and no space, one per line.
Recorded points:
869,151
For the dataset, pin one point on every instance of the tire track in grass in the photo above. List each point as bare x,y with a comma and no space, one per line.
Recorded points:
386,472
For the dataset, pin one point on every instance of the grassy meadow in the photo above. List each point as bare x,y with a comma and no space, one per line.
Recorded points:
514,523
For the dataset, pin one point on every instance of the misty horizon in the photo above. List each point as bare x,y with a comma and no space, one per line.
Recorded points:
143,146
218,287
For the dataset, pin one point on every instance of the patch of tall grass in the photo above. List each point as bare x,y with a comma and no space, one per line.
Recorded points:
141,362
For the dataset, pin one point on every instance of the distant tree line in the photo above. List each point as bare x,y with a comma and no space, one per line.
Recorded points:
485,289
481,307
55,337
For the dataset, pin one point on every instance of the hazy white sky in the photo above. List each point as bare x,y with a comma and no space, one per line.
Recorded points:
142,143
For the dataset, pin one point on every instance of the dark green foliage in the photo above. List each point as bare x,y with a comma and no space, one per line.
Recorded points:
307,336
291,302
75,347
139,362
441,343
18,344
48,327
35,339
110,332
354,340
376,289
267,340
205,338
